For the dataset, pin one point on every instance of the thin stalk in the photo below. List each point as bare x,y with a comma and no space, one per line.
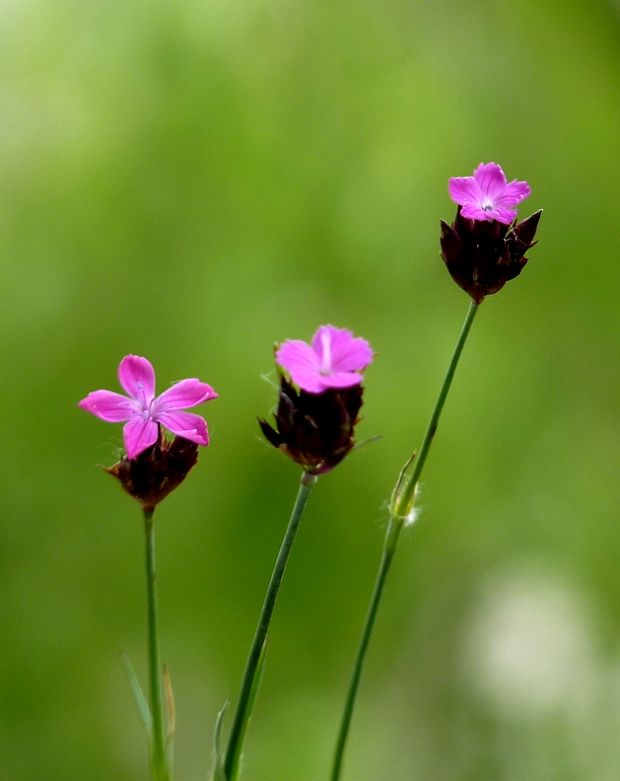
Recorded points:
406,485
401,511
159,766
389,546
253,664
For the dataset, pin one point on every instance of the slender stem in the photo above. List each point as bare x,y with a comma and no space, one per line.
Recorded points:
401,510
253,664
405,493
389,546
159,767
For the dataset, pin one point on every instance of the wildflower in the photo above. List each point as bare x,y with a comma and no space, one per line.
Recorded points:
315,424
487,195
484,247
143,411
334,359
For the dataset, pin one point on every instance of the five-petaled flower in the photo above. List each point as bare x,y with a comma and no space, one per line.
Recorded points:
334,359
142,411
487,195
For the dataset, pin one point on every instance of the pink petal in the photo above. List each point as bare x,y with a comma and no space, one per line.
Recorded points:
503,215
473,212
341,380
348,353
109,406
310,380
296,356
137,377
138,434
464,190
513,193
491,179
186,393
187,425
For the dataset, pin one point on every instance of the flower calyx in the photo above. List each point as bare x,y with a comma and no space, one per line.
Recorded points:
315,430
156,471
481,256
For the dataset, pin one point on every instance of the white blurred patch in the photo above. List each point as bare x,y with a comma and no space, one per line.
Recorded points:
528,645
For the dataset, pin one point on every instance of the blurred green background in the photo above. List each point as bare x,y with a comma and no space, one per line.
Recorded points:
193,181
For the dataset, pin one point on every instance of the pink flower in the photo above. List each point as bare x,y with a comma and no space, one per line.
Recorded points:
333,360
143,411
487,195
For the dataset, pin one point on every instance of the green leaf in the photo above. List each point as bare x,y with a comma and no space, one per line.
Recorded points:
170,716
138,695
218,760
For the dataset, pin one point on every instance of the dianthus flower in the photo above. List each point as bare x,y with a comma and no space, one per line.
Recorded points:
334,359
487,195
315,421
485,247
142,411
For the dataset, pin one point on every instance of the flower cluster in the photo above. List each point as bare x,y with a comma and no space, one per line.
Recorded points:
321,392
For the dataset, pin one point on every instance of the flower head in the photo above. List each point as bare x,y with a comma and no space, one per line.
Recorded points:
315,421
334,359
487,195
143,412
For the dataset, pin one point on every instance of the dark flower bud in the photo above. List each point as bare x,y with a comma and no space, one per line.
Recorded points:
482,256
316,430
156,471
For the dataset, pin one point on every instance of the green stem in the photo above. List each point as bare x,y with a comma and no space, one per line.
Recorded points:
407,482
159,767
253,665
401,511
389,546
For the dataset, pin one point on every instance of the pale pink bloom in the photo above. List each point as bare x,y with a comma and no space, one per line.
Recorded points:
487,195
142,410
334,359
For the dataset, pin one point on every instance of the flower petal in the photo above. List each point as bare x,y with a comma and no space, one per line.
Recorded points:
491,179
109,406
298,359
186,393
348,352
186,425
342,379
464,190
473,211
137,377
138,434
514,192
501,214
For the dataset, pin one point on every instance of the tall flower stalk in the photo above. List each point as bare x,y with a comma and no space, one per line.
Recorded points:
255,656
160,768
482,250
402,513
152,467
315,427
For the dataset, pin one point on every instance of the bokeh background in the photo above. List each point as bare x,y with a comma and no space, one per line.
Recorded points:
192,181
